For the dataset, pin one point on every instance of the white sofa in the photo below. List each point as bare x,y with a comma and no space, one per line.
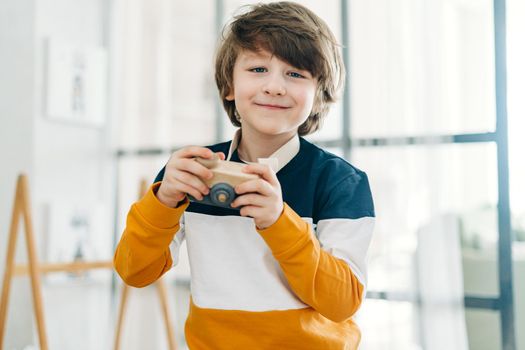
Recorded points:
457,257
480,273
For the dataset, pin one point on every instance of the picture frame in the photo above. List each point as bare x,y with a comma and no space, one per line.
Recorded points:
76,89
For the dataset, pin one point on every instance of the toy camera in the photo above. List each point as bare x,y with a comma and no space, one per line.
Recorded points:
226,175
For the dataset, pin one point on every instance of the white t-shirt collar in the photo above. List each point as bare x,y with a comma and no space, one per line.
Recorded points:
278,159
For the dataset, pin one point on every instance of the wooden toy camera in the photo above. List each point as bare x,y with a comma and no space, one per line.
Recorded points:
226,175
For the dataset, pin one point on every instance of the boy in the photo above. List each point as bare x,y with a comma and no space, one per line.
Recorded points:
287,270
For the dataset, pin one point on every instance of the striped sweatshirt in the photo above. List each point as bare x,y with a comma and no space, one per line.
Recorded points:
293,285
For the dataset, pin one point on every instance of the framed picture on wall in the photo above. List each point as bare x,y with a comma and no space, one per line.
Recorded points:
76,231
76,89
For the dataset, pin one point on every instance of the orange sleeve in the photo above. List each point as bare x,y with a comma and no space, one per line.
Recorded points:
143,254
319,279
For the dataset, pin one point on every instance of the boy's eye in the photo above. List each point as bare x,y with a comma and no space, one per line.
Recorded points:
258,70
296,75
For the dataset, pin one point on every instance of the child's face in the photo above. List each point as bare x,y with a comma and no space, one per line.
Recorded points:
271,96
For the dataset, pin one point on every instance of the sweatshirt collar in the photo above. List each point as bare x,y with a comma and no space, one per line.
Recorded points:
278,159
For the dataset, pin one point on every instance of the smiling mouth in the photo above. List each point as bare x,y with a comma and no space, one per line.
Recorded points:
270,106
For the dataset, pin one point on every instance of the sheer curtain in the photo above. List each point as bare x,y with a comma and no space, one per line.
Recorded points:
422,68
163,97
164,93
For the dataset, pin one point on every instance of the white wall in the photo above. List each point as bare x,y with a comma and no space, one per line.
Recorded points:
72,161
16,138
16,100
67,164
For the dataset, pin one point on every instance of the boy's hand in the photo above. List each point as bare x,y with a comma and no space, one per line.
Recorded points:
260,199
183,175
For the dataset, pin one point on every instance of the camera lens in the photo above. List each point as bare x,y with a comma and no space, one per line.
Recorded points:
222,194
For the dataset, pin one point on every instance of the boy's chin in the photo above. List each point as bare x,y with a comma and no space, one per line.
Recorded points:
276,132
270,129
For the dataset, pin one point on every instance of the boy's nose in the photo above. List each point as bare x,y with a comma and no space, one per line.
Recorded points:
275,86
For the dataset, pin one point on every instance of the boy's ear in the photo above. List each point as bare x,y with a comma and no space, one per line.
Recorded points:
230,96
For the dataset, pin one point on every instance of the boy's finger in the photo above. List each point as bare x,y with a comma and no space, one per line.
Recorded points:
195,151
251,211
193,167
262,170
254,186
195,193
188,179
248,199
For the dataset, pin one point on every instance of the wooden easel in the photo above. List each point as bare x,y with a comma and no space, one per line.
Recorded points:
22,207
34,269
161,289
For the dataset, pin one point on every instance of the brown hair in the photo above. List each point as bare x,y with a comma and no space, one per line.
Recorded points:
294,34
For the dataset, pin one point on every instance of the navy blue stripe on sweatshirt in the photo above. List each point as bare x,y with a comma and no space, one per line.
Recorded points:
315,184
